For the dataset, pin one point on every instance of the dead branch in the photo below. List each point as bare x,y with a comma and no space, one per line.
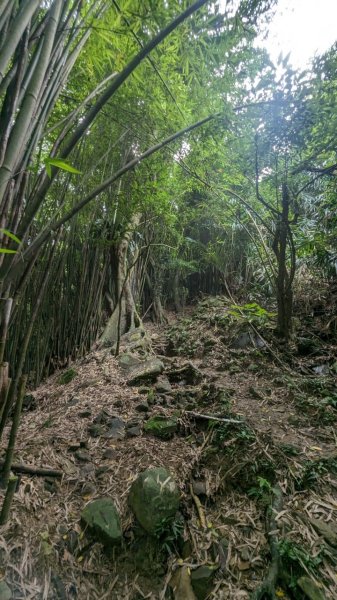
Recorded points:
30,470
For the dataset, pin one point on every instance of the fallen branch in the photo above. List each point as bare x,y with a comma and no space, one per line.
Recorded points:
39,471
267,589
191,413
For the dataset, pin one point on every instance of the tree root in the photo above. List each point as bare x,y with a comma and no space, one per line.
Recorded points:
267,589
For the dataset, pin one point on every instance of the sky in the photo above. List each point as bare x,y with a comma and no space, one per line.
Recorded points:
302,27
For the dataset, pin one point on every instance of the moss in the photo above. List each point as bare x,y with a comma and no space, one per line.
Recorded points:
67,376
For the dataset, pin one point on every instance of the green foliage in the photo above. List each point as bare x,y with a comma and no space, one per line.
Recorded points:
314,471
262,490
170,533
297,560
62,164
11,236
251,313
67,376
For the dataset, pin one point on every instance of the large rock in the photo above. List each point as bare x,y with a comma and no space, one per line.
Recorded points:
148,370
102,520
161,427
154,498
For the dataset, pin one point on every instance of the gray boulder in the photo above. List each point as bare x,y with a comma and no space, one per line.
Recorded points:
154,498
148,370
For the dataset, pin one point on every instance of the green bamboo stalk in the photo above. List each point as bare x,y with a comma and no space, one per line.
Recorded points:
15,32
7,503
18,135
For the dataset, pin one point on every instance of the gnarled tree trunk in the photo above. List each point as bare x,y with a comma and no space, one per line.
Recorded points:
124,317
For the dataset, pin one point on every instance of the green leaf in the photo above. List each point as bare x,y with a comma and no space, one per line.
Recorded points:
11,235
7,251
60,164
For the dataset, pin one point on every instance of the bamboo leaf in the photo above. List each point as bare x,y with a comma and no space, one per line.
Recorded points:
11,235
7,251
60,164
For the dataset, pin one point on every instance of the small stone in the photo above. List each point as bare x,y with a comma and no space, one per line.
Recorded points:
199,488
108,453
87,470
88,489
95,430
84,414
134,431
116,429
245,554
102,418
202,581
142,407
143,389
82,455
102,520
5,592
163,385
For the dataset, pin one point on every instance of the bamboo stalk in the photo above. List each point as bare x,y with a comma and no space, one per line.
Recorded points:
7,503
6,469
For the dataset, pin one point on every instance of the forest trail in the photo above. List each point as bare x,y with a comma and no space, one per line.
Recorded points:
92,429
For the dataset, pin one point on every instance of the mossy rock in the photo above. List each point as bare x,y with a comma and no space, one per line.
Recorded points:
67,376
311,588
154,498
102,520
161,427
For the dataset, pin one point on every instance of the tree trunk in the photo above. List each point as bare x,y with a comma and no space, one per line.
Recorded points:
284,277
124,317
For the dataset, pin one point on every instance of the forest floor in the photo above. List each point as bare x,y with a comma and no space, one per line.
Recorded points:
285,405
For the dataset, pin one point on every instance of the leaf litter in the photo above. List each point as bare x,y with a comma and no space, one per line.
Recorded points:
43,551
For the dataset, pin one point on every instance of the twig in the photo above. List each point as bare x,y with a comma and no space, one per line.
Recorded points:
191,413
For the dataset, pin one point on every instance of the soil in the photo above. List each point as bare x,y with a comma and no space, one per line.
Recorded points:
281,432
